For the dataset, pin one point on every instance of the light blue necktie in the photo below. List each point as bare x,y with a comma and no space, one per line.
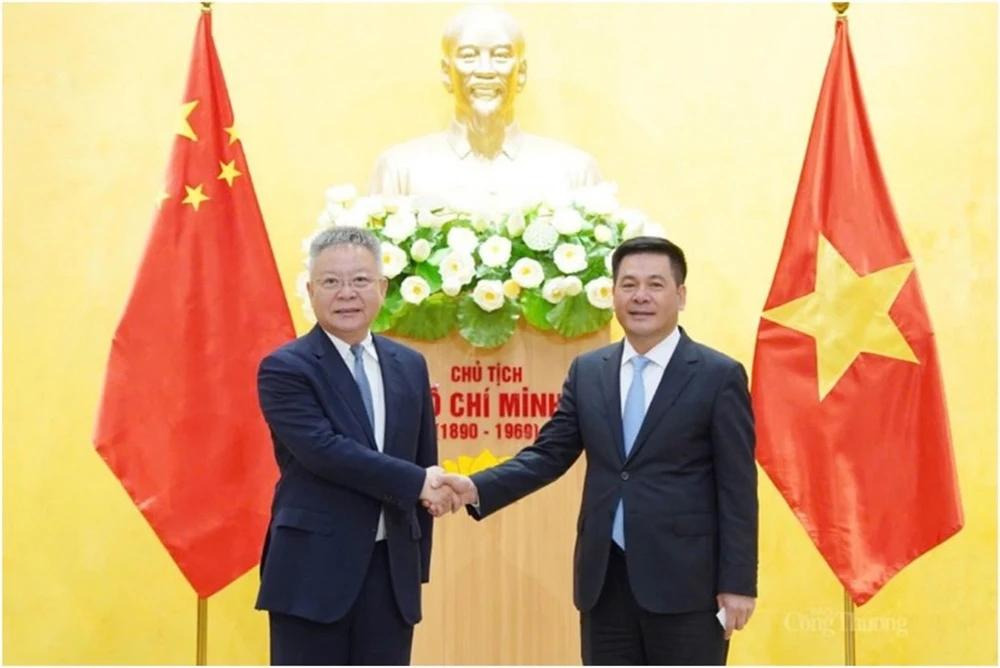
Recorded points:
362,379
635,411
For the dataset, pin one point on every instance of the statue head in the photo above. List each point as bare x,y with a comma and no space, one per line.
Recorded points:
483,64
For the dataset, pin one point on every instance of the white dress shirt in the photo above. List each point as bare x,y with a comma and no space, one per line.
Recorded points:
374,372
659,355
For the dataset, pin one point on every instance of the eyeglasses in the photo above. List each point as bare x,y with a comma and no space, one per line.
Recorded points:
333,284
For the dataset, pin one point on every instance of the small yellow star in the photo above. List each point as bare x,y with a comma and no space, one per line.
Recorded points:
161,198
229,172
195,196
184,128
234,135
847,315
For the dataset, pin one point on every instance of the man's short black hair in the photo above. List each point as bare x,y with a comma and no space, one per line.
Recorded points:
678,264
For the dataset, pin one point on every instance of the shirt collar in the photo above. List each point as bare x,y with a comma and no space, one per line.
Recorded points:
344,348
457,135
659,354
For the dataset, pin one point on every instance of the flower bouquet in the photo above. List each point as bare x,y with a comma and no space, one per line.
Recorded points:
480,268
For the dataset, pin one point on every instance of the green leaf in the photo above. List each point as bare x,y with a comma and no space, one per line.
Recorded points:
485,329
387,315
433,319
429,273
574,316
438,255
536,309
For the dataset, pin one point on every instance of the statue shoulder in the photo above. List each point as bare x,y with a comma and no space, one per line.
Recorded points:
396,164
578,164
412,149
557,148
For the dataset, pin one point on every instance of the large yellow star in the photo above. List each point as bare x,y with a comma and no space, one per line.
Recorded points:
194,196
229,172
184,128
847,315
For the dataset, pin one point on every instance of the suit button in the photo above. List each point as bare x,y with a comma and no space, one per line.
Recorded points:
624,475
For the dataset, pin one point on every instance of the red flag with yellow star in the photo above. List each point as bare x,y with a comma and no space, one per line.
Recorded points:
179,423
852,426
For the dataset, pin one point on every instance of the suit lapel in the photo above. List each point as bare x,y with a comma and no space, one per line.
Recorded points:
343,380
679,372
394,385
611,388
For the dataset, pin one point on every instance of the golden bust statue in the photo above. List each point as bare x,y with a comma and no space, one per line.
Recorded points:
483,154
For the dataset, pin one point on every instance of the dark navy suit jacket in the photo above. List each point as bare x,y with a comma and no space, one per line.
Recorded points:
334,482
689,483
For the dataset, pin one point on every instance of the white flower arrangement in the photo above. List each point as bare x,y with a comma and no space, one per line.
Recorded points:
455,266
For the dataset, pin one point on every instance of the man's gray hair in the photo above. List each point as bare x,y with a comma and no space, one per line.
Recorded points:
342,236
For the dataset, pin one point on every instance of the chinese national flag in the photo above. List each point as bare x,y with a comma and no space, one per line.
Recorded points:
852,426
179,423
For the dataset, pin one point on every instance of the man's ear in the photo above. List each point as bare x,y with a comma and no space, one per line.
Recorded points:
682,293
446,75
522,74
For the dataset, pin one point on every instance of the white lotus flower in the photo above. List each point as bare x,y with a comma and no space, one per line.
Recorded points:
599,200
353,217
451,286
567,221
572,285
400,226
342,195
397,203
426,218
558,199
633,221
488,295
654,230
554,290
527,273
602,234
459,266
370,204
300,289
599,292
414,289
540,235
515,224
463,240
420,250
495,251
570,258
393,259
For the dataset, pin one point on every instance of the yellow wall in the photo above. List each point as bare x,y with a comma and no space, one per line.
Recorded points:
701,113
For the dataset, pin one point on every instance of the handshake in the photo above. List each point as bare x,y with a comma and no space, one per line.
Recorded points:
446,492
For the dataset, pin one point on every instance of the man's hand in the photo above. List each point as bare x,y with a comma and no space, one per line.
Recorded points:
463,487
460,490
437,497
738,611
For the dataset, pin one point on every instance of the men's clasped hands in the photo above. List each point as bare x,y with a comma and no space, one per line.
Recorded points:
445,492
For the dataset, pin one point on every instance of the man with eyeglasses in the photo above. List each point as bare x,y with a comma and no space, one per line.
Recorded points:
352,421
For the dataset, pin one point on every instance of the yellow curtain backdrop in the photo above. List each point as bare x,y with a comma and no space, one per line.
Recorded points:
699,112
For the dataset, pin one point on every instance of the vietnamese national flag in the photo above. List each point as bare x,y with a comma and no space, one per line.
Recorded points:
179,423
852,426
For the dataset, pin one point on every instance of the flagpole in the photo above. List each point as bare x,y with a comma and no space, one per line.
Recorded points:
850,657
201,645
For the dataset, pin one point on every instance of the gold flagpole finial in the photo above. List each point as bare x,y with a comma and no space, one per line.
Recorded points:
840,7
206,7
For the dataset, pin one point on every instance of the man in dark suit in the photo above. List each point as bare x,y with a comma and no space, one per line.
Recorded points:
667,531
352,422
